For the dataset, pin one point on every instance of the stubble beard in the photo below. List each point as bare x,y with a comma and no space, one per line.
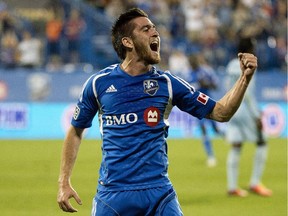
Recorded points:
146,54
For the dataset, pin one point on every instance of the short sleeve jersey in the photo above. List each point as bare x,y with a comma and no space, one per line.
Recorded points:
133,116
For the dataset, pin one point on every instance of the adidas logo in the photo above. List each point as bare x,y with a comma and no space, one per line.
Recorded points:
111,89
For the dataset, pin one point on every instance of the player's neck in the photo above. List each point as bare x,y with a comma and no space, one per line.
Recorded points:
134,68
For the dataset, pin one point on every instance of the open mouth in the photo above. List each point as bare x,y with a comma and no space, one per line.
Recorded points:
154,46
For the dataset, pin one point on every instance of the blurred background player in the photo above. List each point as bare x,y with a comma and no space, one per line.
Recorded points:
204,78
245,125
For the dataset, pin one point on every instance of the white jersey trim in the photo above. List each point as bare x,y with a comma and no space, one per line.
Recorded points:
100,111
185,83
169,106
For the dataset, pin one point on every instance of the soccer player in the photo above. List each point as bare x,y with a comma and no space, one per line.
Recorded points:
133,101
204,79
245,125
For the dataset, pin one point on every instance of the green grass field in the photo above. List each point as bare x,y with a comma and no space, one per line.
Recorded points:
29,172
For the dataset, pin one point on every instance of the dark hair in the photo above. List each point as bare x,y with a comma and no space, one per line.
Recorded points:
123,28
246,45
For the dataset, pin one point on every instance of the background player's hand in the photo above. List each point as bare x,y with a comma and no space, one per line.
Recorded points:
64,194
248,63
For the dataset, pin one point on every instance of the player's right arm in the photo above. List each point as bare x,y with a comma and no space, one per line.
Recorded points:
230,102
69,154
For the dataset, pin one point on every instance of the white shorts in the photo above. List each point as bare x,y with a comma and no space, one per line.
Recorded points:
242,128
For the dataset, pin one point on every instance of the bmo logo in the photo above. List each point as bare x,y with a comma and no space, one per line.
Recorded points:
152,116
123,119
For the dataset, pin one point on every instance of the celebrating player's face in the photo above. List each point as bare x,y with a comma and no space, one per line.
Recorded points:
146,41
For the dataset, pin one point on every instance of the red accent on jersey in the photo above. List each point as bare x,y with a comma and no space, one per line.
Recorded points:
152,116
202,98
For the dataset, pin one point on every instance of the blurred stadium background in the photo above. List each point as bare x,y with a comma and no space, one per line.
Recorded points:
37,99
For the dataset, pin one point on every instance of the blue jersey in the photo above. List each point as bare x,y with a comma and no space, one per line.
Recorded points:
133,116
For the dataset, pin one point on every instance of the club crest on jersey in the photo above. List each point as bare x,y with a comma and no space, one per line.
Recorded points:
202,98
150,87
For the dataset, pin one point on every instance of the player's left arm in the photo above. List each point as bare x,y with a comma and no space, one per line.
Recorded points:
230,102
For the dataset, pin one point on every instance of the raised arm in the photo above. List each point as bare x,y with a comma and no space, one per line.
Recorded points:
69,154
230,102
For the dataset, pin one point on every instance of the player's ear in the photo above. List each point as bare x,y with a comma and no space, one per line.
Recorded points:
127,42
